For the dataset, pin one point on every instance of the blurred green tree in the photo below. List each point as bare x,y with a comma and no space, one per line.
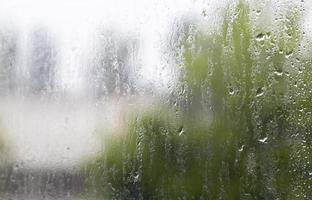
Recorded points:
245,133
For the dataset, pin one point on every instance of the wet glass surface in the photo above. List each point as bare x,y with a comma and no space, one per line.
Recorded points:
155,100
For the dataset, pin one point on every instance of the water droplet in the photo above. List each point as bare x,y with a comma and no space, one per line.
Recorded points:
298,60
278,73
263,140
259,92
136,178
241,148
289,53
260,37
231,91
181,131
204,12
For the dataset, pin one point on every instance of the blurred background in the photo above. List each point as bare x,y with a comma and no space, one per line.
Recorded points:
149,99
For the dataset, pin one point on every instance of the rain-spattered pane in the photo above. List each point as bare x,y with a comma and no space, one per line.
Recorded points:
155,100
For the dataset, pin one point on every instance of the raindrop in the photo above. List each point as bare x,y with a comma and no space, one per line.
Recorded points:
298,60
136,178
289,53
204,12
263,140
259,92
241,148
231,91
181,131
278,73
260,37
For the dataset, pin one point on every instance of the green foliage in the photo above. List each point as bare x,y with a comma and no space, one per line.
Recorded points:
253,143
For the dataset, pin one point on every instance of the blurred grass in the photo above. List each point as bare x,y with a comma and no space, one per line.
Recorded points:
256,142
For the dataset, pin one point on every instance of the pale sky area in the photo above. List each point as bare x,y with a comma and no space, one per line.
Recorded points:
74,23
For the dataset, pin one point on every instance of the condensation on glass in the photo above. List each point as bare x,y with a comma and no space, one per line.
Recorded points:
155,100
